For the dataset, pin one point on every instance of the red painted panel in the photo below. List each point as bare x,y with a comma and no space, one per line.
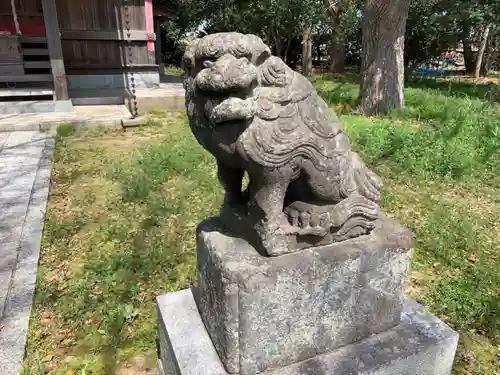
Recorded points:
38,30
150,26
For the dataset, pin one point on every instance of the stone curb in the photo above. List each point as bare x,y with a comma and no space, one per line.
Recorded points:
14,322
48,126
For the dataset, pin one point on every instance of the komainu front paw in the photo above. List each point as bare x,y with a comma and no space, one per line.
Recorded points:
308,219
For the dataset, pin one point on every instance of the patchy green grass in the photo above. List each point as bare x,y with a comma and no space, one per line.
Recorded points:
443,134
174,71
493,73
119,231
124,206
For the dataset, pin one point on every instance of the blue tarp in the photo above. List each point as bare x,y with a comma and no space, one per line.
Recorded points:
440,67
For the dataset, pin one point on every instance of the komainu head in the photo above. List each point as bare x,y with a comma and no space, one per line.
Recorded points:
224,61
232,76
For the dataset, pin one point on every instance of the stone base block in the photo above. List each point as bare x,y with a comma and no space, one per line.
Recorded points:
269,312
420,345
145,79
63,106
158,99
27,106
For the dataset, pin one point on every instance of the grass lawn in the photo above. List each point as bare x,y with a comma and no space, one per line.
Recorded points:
124,206
174,71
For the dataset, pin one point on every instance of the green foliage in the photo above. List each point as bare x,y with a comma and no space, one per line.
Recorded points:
174,41
273,20
173,33
65,130
428,32
435,25
438,135
279,23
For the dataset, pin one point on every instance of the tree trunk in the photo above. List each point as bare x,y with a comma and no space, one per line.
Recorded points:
278,42
318,53
479,60
307,51
490,52
279,48
468,57
488,65
337,57
287,50
337,47
382,60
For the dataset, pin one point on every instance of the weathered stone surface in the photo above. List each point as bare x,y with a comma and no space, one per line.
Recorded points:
256,115
420,345
113,81
269,312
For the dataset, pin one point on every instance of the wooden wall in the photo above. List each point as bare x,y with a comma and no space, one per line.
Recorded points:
92,32
94,38
99,14
25,9
29,14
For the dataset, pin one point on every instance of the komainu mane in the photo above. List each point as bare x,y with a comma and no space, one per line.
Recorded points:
256,115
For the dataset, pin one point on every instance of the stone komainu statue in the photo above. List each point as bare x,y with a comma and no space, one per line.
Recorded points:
256,115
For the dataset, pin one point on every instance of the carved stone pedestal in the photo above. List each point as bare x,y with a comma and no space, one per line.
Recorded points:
337,309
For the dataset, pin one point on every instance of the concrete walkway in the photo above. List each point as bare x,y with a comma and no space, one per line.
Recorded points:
85,116
25,167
